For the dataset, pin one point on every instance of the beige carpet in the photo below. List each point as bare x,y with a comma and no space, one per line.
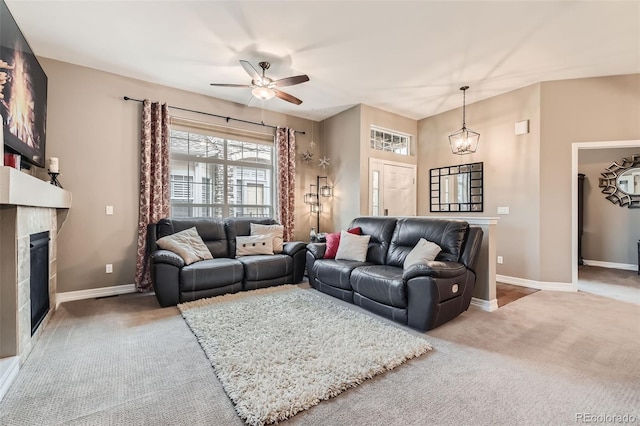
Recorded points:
543,359
282,350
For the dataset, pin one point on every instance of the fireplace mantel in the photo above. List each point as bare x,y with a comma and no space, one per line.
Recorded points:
20,189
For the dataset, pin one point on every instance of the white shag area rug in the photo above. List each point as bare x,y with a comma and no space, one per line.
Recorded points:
281,350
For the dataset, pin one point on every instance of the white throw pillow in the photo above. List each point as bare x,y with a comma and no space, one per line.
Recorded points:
276,232
254,244
353,247
187,244
424,251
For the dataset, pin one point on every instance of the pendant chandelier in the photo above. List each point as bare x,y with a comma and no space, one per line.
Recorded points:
464,141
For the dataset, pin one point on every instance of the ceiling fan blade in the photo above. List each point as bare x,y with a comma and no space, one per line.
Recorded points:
250,70
287,97
229,85
290,81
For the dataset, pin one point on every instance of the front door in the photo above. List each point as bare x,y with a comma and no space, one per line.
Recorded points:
392,188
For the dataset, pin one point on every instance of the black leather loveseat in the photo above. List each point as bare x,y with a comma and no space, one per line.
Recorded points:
175,283
422,296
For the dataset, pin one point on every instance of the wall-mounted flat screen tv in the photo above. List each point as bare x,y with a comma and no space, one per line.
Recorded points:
23,93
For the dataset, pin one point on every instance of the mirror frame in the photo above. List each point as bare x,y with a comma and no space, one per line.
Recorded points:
476,189
609,183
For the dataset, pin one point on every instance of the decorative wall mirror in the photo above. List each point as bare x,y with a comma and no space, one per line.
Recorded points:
621,182
456,188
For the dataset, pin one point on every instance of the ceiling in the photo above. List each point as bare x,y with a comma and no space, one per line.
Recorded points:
409,58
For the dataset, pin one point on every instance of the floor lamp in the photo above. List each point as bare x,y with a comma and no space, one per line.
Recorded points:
313,197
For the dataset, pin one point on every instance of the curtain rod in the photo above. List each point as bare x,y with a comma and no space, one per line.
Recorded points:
126,98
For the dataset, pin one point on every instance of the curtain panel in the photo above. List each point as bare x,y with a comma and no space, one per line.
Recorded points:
285,142
154,182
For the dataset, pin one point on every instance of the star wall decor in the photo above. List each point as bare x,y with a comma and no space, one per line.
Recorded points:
324,162
307,157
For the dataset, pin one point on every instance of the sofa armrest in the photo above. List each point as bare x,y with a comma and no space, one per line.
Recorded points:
166,256
434,269
292,247
317,249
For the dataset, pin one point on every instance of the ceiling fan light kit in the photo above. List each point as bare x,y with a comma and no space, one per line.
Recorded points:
464,141
263,93
265,88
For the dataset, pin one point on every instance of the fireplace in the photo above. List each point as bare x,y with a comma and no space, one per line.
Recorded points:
39,278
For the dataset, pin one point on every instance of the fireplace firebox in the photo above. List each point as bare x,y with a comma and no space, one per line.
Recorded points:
39,282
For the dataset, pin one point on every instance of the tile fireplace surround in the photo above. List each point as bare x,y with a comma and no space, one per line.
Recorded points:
27,206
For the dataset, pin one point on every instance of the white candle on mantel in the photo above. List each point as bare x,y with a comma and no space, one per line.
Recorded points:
53,165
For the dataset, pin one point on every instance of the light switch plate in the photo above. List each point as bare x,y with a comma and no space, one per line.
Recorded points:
500,260
503,210
109,210
108,268
522,127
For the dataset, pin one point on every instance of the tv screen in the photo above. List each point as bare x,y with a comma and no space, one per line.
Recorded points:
23,93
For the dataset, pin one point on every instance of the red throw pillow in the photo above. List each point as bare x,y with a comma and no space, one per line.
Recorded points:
333,241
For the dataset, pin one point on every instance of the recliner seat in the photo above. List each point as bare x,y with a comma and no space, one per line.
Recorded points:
423,296
174,282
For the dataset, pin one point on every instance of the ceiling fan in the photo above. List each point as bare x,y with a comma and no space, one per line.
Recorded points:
266,88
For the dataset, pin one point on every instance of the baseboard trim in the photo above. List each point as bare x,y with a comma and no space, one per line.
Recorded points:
485,305
540,285
9,368
612,265
92,293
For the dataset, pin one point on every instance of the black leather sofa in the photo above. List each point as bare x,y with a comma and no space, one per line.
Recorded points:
423,296
175,283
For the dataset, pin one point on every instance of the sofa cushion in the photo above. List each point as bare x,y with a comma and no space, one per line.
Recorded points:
257,268
381,283
211,231
275,231
335,273
353,247
210,274
333,241
381,230
424,251
241,226
448,234
254,244
187,244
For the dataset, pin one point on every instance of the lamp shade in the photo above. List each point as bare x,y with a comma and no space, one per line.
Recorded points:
311,198
316,208
326,191
464,141
263,93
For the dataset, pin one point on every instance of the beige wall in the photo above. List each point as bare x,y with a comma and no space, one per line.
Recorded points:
342,135
611,232
582,110
511,170
95,133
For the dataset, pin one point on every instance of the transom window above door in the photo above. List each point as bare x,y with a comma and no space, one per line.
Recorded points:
390,141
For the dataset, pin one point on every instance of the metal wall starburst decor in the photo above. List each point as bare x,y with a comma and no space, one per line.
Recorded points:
610,183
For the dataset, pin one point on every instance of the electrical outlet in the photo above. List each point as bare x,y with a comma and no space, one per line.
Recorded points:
500,260
108,268
503,210
109,210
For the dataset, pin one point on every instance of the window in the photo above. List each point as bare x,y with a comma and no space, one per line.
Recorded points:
220,175
389,140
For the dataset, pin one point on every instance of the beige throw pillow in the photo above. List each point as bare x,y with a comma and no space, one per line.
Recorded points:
276,232
353,247
254,244
423,252
187,244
